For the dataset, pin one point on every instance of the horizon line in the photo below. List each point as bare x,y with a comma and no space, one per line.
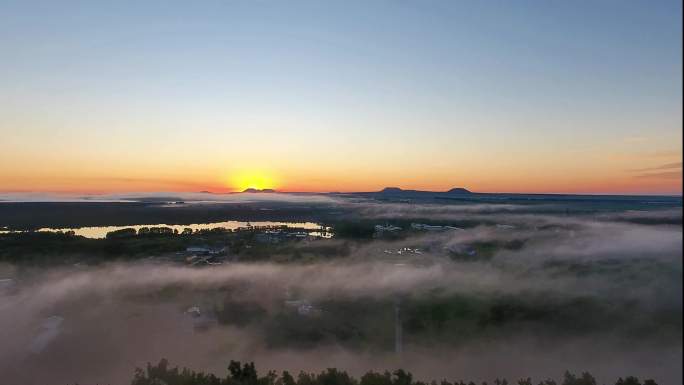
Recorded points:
277,191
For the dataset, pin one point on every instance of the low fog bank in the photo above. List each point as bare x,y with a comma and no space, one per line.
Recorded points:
189,197
107,352
528,213
111,319
557,292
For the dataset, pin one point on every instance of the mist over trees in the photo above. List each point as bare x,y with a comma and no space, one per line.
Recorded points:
530,289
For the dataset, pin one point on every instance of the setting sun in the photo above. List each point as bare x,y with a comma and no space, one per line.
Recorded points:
252,179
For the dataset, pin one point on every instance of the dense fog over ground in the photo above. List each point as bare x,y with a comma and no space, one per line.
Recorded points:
521,291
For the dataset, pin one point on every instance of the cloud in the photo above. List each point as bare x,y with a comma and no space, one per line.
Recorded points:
661,175
660,172
668,166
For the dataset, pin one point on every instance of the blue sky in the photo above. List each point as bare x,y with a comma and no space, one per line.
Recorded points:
522,86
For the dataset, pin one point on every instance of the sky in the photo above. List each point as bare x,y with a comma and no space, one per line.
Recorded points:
495,96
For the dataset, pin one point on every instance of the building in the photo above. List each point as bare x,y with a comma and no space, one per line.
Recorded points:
206,250
425,227
381,230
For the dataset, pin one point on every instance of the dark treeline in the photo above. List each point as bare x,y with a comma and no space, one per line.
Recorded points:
246,374
65,247
34,215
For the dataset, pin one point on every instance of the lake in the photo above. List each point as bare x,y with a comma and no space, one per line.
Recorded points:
99,232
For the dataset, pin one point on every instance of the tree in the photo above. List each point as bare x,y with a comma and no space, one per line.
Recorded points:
631,380
585,379
122,233
246,374
287,379
374,378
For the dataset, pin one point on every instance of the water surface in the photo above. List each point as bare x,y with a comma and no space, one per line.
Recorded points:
99,232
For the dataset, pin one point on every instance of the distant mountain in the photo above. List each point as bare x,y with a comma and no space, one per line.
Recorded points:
458,190
396,191
256,190
392,190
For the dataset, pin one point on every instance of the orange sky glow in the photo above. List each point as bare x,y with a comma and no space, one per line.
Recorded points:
490,97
